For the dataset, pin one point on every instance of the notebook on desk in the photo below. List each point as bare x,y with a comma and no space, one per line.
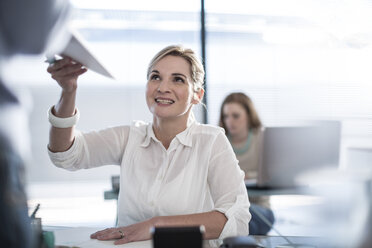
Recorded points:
288,152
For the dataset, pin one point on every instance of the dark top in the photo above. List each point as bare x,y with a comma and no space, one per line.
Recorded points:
15,228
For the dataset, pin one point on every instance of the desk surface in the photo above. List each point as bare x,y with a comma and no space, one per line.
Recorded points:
252,191
79,237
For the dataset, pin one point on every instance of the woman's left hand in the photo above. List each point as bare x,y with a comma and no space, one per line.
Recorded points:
136,232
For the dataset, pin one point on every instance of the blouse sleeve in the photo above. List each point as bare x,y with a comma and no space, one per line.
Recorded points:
93,149
227,187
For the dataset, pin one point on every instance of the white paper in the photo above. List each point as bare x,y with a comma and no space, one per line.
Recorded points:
80,237
78,50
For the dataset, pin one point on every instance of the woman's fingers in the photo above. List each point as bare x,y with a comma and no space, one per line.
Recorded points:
102,232
81,71
107,234
66,70
112,233
64,65
57,65
135,232
124,240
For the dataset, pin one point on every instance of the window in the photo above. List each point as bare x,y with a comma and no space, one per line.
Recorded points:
126,35
298,60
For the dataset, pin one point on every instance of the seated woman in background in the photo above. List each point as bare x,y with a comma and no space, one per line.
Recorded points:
244,130
174,170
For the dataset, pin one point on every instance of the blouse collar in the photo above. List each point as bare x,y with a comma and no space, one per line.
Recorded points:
184,137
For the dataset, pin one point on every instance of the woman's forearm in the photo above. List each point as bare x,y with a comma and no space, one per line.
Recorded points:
61,139
213,222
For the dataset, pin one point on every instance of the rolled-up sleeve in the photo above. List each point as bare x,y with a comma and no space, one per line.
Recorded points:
93,149
227,187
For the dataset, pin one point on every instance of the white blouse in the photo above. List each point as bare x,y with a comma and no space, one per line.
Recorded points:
197,173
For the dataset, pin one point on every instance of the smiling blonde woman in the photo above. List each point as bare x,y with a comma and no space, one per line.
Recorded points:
158,160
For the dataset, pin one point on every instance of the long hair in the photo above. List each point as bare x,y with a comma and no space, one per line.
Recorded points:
247,104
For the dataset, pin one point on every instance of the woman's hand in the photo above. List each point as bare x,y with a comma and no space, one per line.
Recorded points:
136,232
66,72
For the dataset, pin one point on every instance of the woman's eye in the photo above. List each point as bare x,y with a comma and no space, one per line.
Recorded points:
179,79
154,77
235,116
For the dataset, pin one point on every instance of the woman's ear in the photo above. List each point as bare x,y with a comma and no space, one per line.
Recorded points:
198,96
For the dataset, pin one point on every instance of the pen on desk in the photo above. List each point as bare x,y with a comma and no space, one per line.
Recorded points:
35,210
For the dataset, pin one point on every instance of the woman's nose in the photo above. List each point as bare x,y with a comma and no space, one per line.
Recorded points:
164,86
229,121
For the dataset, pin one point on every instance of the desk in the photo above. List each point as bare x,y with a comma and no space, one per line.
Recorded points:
113,194
252,191
296,241
79,237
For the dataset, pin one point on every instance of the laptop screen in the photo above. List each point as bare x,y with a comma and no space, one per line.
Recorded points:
291,151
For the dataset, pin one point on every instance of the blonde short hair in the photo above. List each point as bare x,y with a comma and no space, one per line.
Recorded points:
197,69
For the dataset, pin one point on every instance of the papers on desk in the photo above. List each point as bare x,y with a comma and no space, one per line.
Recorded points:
78,50
80,237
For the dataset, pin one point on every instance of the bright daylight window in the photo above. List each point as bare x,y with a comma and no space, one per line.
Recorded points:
298,60
127,34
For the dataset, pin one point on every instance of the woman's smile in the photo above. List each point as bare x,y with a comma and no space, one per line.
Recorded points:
164,101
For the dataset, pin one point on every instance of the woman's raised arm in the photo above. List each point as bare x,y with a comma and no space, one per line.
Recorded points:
65,72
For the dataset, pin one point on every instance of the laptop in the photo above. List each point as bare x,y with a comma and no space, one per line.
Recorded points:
288,152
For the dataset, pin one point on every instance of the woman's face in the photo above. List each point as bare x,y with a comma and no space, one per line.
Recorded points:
235,119
169,91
